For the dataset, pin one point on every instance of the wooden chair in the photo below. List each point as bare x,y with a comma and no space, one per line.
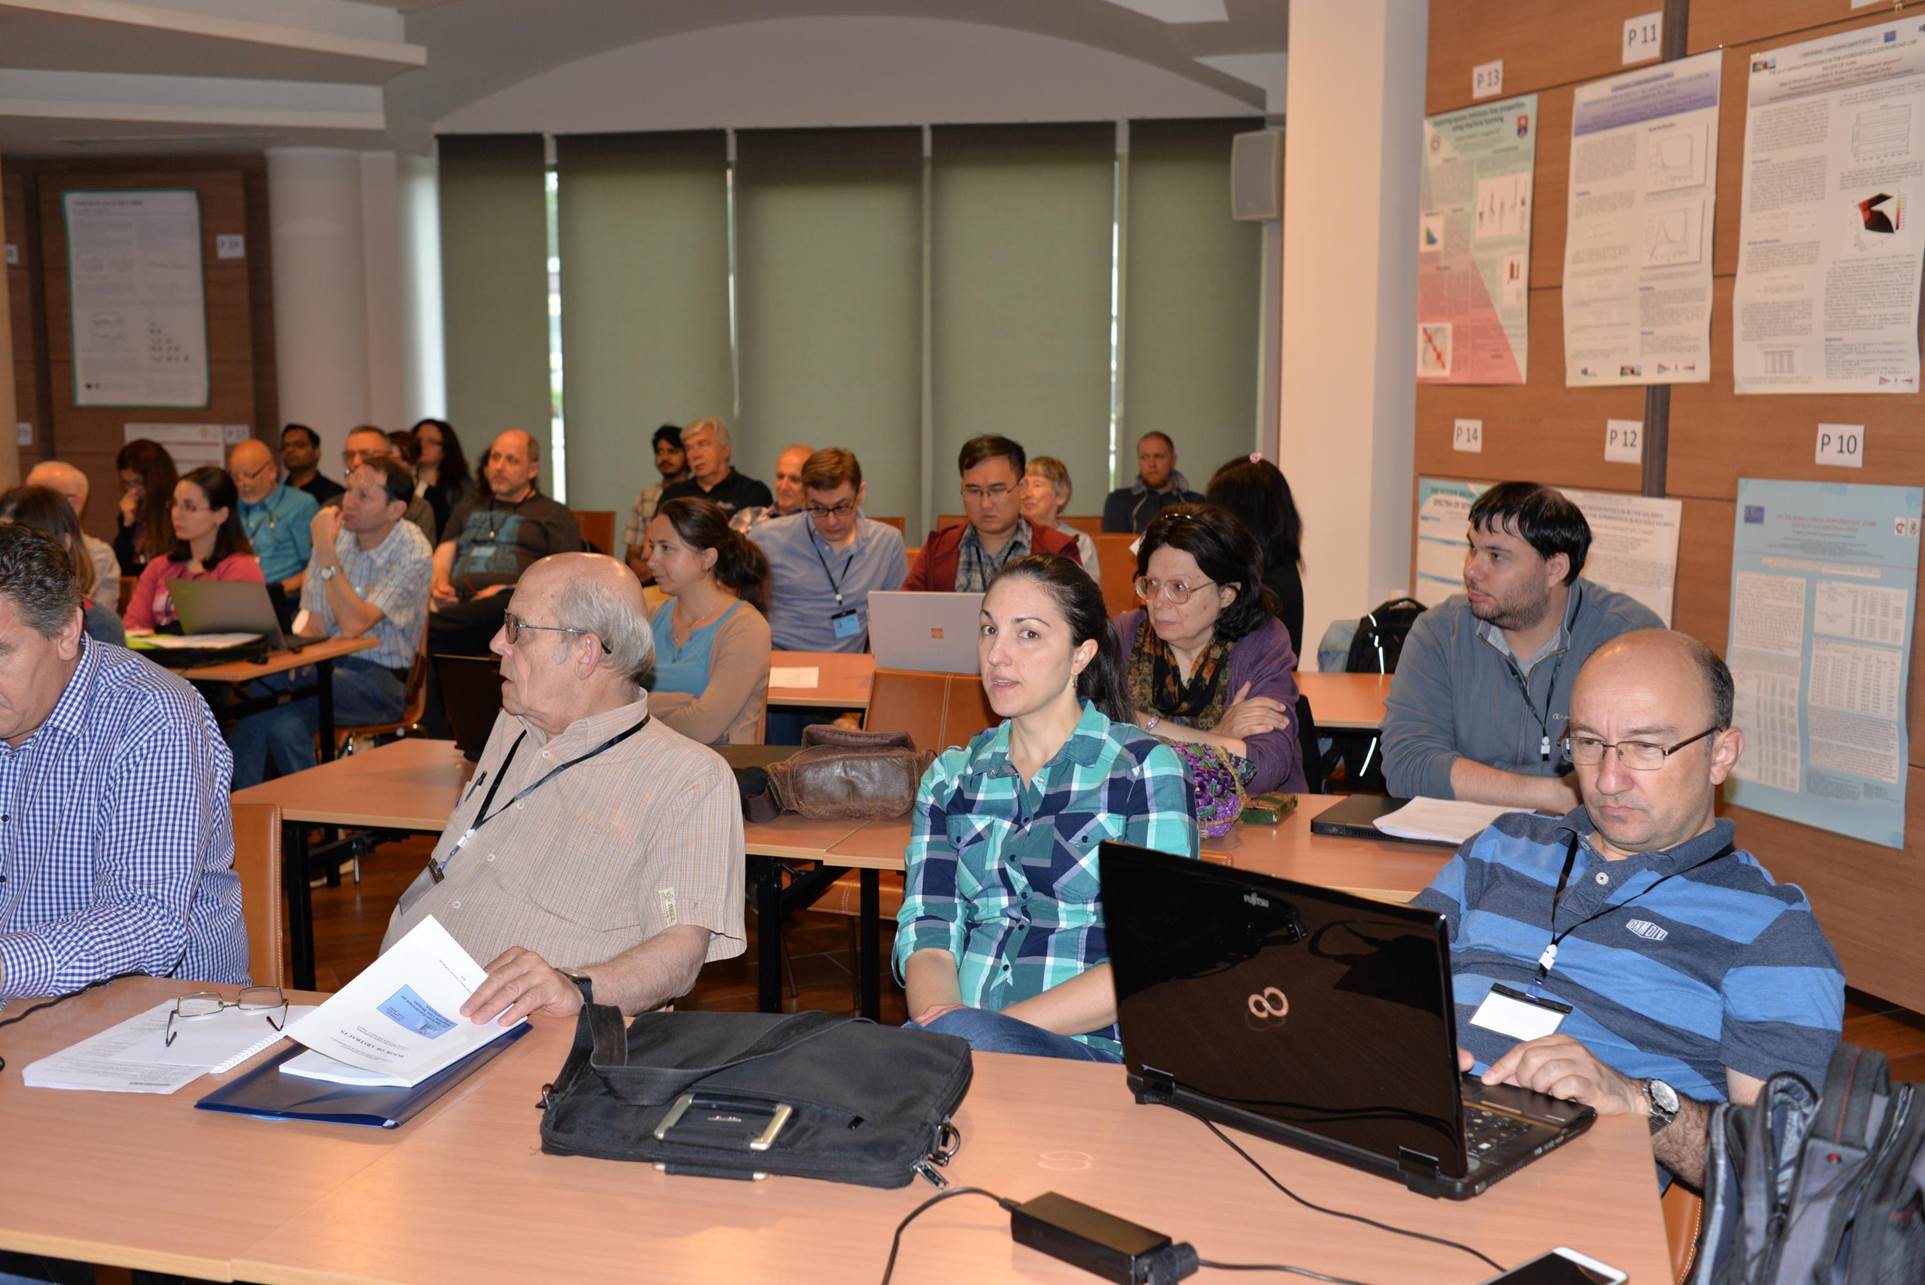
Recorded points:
949,520
127,584
897,523
1118,571
257,861
414,703
903,700
1683,1211
598,530
1090,524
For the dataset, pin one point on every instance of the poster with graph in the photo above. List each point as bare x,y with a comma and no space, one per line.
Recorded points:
1474,244
1826,299
1637,259
138,305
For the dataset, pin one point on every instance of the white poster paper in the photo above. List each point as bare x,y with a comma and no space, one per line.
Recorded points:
1637,262
139,310
1826,299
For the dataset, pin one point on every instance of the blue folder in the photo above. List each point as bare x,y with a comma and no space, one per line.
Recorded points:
265,1092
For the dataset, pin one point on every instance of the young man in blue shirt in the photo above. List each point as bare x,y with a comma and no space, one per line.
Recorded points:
826,560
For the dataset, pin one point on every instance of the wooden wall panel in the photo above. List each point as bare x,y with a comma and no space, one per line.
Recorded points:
1539,430
1715,23
1542,42
1551,188
24,342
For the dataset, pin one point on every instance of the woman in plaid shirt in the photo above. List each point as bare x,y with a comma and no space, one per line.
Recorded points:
1000,937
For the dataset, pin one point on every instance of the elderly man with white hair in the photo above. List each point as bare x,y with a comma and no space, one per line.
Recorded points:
68,482
597,852
712,475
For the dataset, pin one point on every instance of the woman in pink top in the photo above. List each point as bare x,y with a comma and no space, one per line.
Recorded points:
210,545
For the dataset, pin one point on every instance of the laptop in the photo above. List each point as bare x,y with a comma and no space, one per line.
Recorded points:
1312,1017
1356,818
933,632
229,607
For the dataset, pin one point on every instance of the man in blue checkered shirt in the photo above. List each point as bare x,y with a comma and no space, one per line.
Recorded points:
116,847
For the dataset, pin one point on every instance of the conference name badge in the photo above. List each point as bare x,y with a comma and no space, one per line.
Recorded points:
1520,1016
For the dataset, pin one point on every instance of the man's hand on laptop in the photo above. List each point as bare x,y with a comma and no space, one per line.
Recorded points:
1561,1067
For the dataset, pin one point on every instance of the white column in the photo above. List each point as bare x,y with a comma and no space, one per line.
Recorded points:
382,288
1354,118
320,296
424,371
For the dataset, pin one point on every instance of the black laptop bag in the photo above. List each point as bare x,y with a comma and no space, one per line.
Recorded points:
867,1104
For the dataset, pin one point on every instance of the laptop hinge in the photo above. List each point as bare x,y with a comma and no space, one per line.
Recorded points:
1158,1086
1419,1170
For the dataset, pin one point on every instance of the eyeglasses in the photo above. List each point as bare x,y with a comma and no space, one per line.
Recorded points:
512,625
1639,756
1177,591
995,494
253,999
841,510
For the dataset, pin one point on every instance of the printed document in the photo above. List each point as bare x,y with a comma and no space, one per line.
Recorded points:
1438,819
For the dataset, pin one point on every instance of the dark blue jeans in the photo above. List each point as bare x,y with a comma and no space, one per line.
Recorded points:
988,1032
363,693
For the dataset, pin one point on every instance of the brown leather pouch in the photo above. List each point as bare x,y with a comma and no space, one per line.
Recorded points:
842,774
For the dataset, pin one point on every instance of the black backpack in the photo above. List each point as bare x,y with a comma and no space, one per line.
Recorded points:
1380,635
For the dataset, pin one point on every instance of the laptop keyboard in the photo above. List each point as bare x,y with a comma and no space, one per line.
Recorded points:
1486,1131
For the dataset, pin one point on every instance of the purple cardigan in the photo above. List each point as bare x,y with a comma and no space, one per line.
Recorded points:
1264,660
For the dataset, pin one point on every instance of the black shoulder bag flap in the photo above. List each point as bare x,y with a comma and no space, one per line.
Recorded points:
744,1095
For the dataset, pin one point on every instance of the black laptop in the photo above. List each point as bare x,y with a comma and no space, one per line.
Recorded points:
1356,818
1310,1016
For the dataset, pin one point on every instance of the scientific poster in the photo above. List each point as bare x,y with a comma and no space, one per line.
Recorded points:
139,311
1826,299
1634,541
1637,261
1474,244
1822,578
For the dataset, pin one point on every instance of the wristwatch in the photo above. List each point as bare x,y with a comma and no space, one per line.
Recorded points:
586,985
328,573
1661,1103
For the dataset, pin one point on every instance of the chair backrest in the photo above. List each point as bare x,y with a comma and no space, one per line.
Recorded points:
966,711
1119,570
949,520
127,584
598,530
1683,1211
471,694
257,862
1316,773
1087,523
937,710
894,522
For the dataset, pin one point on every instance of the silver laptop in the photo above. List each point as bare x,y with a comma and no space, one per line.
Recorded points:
934,632
228,607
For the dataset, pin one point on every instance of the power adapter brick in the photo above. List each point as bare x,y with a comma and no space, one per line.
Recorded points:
1099,1243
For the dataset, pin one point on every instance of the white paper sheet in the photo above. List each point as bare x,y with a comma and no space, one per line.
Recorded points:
1439,819
795,676
131,1056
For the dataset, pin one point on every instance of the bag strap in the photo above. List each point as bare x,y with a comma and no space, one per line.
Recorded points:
612,1049
1853,1083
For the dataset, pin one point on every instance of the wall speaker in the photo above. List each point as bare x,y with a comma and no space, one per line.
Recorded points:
1256,176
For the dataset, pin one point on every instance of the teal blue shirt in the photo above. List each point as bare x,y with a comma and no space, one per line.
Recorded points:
278,529
684,668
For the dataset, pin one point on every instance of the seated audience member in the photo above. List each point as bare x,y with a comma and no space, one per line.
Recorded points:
1690,976
1000,937
594,837
1483,688
44,511
441,476
711,639
120,854
672,464
788,491
209,544
368,578
71,485
490,541
1046,492
274,515
1254,491
301,457
711,475
370,443
1157,486
405,449
1206,660
145,528
825,562
994,533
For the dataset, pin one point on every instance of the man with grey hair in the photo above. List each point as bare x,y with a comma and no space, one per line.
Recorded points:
597,853
711,476
68,482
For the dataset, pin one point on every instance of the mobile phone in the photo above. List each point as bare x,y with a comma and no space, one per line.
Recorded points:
1561,1266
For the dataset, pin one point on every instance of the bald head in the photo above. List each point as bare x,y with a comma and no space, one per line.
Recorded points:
254,469
513,461
64,480
583,644
1702,680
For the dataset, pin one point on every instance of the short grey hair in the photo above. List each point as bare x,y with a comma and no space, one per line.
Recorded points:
581,603
709,424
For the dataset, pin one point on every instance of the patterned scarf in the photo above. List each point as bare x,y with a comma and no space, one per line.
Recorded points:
1155,683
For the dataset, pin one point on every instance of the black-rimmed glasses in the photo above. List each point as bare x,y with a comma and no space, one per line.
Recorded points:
265,1000
1639,756
512,625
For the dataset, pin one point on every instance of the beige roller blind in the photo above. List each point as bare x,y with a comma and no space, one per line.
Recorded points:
1020,246
828,227
494,285
643,222
1191,307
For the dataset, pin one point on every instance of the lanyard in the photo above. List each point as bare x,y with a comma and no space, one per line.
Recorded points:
1550,693
834,588
438,870
1549,957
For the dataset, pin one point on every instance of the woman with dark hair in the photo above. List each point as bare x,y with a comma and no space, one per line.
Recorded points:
1255,492
1207,661
1000,936
209,544
48,512
441,473
711,639
147,478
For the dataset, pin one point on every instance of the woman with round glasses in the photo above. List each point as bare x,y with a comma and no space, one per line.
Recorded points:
209,544
711,639
1207,661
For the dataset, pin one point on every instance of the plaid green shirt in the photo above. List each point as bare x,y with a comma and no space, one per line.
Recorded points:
1003,875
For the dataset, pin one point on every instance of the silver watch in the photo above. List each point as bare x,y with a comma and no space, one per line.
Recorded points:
1661,1104
328,573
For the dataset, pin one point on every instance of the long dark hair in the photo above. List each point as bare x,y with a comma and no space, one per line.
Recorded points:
157,474
1225,551
48,512
217,488
452,473
739,564
1081,602
1257,494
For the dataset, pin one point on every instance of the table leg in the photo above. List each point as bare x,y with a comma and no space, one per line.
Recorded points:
300,902
871,933
324,685
768,935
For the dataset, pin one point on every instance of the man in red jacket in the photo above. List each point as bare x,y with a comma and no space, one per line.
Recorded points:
964,559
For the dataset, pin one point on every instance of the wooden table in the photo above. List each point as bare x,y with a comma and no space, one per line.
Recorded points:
321,653
1345,702
842,681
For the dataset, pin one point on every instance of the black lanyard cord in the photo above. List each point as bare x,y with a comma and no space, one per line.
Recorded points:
1549,957
834,588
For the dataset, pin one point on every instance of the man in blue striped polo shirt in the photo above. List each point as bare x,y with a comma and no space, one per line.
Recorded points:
1629,955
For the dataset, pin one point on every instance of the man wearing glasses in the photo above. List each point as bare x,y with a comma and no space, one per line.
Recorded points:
367,442
596,849
825,561
275,515
1630,955
994,532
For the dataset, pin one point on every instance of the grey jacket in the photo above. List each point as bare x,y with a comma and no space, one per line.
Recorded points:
1457,695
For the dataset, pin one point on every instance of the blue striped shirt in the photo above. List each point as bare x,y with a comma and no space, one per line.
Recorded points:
1718,969
117,849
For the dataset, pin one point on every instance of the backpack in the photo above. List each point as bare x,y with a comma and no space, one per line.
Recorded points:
1822,1189
1375,649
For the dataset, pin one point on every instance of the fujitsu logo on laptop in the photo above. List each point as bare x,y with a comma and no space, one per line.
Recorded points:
1261,903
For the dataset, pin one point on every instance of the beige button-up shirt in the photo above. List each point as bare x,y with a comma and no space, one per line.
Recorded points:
644,836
